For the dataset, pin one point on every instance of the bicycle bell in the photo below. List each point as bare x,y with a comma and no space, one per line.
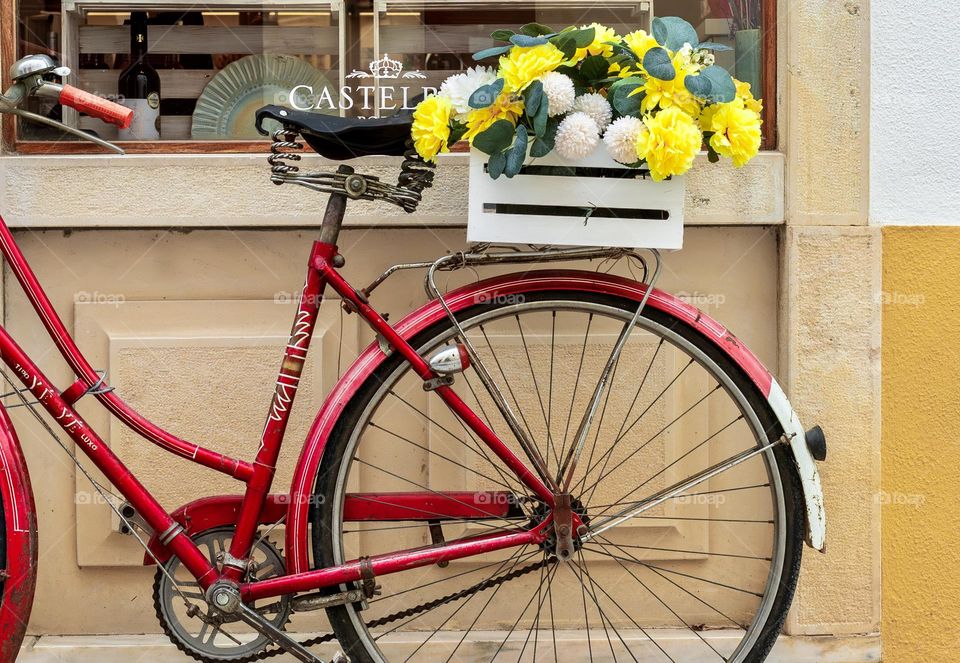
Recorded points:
31,69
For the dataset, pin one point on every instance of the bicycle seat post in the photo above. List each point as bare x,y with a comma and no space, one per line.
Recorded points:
333,215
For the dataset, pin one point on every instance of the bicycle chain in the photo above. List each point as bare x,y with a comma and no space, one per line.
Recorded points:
416,610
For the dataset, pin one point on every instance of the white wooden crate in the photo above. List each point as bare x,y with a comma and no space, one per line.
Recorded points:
537,208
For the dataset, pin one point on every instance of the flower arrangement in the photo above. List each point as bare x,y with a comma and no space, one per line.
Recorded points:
653,100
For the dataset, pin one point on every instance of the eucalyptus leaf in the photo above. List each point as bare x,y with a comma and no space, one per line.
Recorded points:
698,86
496,138
723,89
546,141
540,119
714,46
526,41
496,165
536,29
594,68
517,154
673,32
485,95
658,64
491,52
502,35
532,97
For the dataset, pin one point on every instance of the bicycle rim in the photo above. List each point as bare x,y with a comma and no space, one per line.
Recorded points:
691,549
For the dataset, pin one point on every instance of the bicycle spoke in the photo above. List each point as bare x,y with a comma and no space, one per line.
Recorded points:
480,448
606,456
665,605
506,383
677,460
573,399
536,386
654,570
377,426
655,436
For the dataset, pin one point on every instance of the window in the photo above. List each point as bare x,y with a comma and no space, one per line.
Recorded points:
220,60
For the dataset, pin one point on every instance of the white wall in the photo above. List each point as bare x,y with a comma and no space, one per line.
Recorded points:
915,132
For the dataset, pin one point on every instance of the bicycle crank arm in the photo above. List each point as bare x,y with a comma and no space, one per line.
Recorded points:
253,619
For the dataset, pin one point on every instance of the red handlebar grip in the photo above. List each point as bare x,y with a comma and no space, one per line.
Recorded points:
95,106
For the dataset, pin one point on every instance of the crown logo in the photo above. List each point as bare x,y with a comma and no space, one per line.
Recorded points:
386,68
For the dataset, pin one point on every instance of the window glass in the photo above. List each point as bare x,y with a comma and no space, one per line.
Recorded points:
216,63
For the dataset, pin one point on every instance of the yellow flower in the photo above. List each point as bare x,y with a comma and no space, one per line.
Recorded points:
640,42
670,94
599,46
506,107
736,130
746,95
521,66
431,126
669,142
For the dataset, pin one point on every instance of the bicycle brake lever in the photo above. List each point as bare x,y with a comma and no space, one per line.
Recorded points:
59,125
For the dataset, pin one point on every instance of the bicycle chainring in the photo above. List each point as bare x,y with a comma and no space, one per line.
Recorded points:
198,630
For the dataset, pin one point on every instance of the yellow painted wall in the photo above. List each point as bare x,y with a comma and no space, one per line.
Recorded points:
921,444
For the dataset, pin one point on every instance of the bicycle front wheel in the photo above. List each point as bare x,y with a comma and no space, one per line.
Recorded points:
704,575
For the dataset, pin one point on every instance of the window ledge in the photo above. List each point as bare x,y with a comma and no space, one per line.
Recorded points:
220,190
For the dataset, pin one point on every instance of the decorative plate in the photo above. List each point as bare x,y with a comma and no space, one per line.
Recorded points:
229,102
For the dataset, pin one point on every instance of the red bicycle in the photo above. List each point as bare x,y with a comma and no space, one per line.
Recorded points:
541,462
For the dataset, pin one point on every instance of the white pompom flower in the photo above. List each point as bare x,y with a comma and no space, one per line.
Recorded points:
559,91
458,88
621,139
577,136
594,105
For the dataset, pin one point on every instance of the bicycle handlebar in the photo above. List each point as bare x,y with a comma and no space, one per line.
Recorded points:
94,106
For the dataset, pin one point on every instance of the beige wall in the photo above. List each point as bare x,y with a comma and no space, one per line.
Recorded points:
800,290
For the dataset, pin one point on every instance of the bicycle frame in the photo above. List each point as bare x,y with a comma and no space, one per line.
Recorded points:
258,475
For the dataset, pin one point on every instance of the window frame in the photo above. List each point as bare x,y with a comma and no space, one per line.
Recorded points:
13,144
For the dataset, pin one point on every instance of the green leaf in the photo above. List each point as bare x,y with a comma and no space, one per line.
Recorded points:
526,41
566,43
658,64
594,68
713,46
673,32
536,29
532,97
496,138
624,51
723,89
517,154
485,95
540,119
698,86
620,99
502,35
546,141
457,129
496,165
583,37
711,153
491,52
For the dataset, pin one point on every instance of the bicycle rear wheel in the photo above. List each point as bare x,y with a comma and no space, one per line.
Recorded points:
707,575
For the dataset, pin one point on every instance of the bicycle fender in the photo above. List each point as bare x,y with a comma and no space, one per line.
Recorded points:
513,285
20,521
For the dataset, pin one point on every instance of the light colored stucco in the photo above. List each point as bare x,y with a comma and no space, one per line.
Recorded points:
921,453
914,145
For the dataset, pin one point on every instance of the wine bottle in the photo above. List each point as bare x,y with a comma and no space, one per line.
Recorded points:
139,86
